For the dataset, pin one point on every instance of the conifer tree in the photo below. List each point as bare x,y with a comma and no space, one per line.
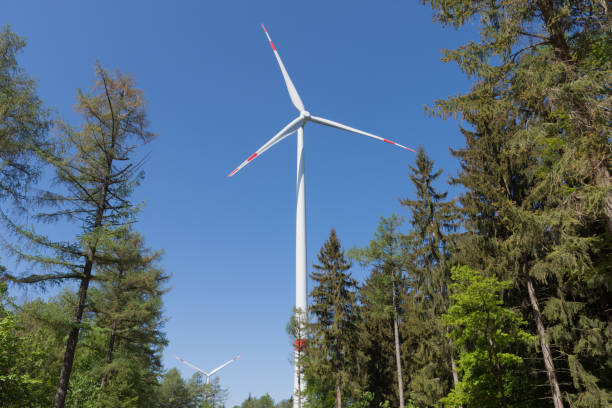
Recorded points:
537,171
23,121
96,172
387,256
429,242
210,395
332,348
127,305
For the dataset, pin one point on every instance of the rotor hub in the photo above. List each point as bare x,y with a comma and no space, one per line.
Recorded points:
305,114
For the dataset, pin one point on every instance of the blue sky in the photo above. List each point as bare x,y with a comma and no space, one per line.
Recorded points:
215,95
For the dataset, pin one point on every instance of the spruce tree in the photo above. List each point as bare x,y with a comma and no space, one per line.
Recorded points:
96,172
332,349
127,304
537,172
434,221
127,307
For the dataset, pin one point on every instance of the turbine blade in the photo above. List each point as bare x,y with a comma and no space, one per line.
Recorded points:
293,93
224,364
340,126
192,366
287,130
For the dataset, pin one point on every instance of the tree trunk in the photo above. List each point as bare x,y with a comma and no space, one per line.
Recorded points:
452,360
400,383
546,354
604,179
109,354
338,392
73,338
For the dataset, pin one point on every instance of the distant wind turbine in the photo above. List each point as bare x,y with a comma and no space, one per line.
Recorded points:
207,375
298,124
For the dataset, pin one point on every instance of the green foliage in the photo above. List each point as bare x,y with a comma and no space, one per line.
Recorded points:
536,168
434,222
487,335
383,302
331,354
23,121
16,383
265,401
173,392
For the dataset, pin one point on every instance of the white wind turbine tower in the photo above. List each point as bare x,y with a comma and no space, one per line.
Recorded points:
209,374
298,124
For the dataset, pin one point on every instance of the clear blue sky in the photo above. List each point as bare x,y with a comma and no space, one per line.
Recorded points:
215,95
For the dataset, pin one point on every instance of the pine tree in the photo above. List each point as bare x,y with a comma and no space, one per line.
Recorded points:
386,254
331,349
96,171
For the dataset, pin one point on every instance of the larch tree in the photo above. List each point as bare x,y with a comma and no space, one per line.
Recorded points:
24,122
333,330
386,254
96,170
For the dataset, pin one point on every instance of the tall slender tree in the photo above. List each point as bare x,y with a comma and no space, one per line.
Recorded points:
333,331
434,221
386,254
96,172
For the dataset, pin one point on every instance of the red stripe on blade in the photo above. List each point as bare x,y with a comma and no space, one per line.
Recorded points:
388,141
264,27
254,155
272,44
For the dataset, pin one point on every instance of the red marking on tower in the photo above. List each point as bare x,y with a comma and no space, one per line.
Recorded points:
254,155
300,344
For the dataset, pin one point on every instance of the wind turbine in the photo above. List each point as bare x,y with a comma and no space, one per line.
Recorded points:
207,375
298,124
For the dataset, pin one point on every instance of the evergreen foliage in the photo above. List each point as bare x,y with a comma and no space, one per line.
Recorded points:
23,122
385,286
429,243
331,352
536,168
